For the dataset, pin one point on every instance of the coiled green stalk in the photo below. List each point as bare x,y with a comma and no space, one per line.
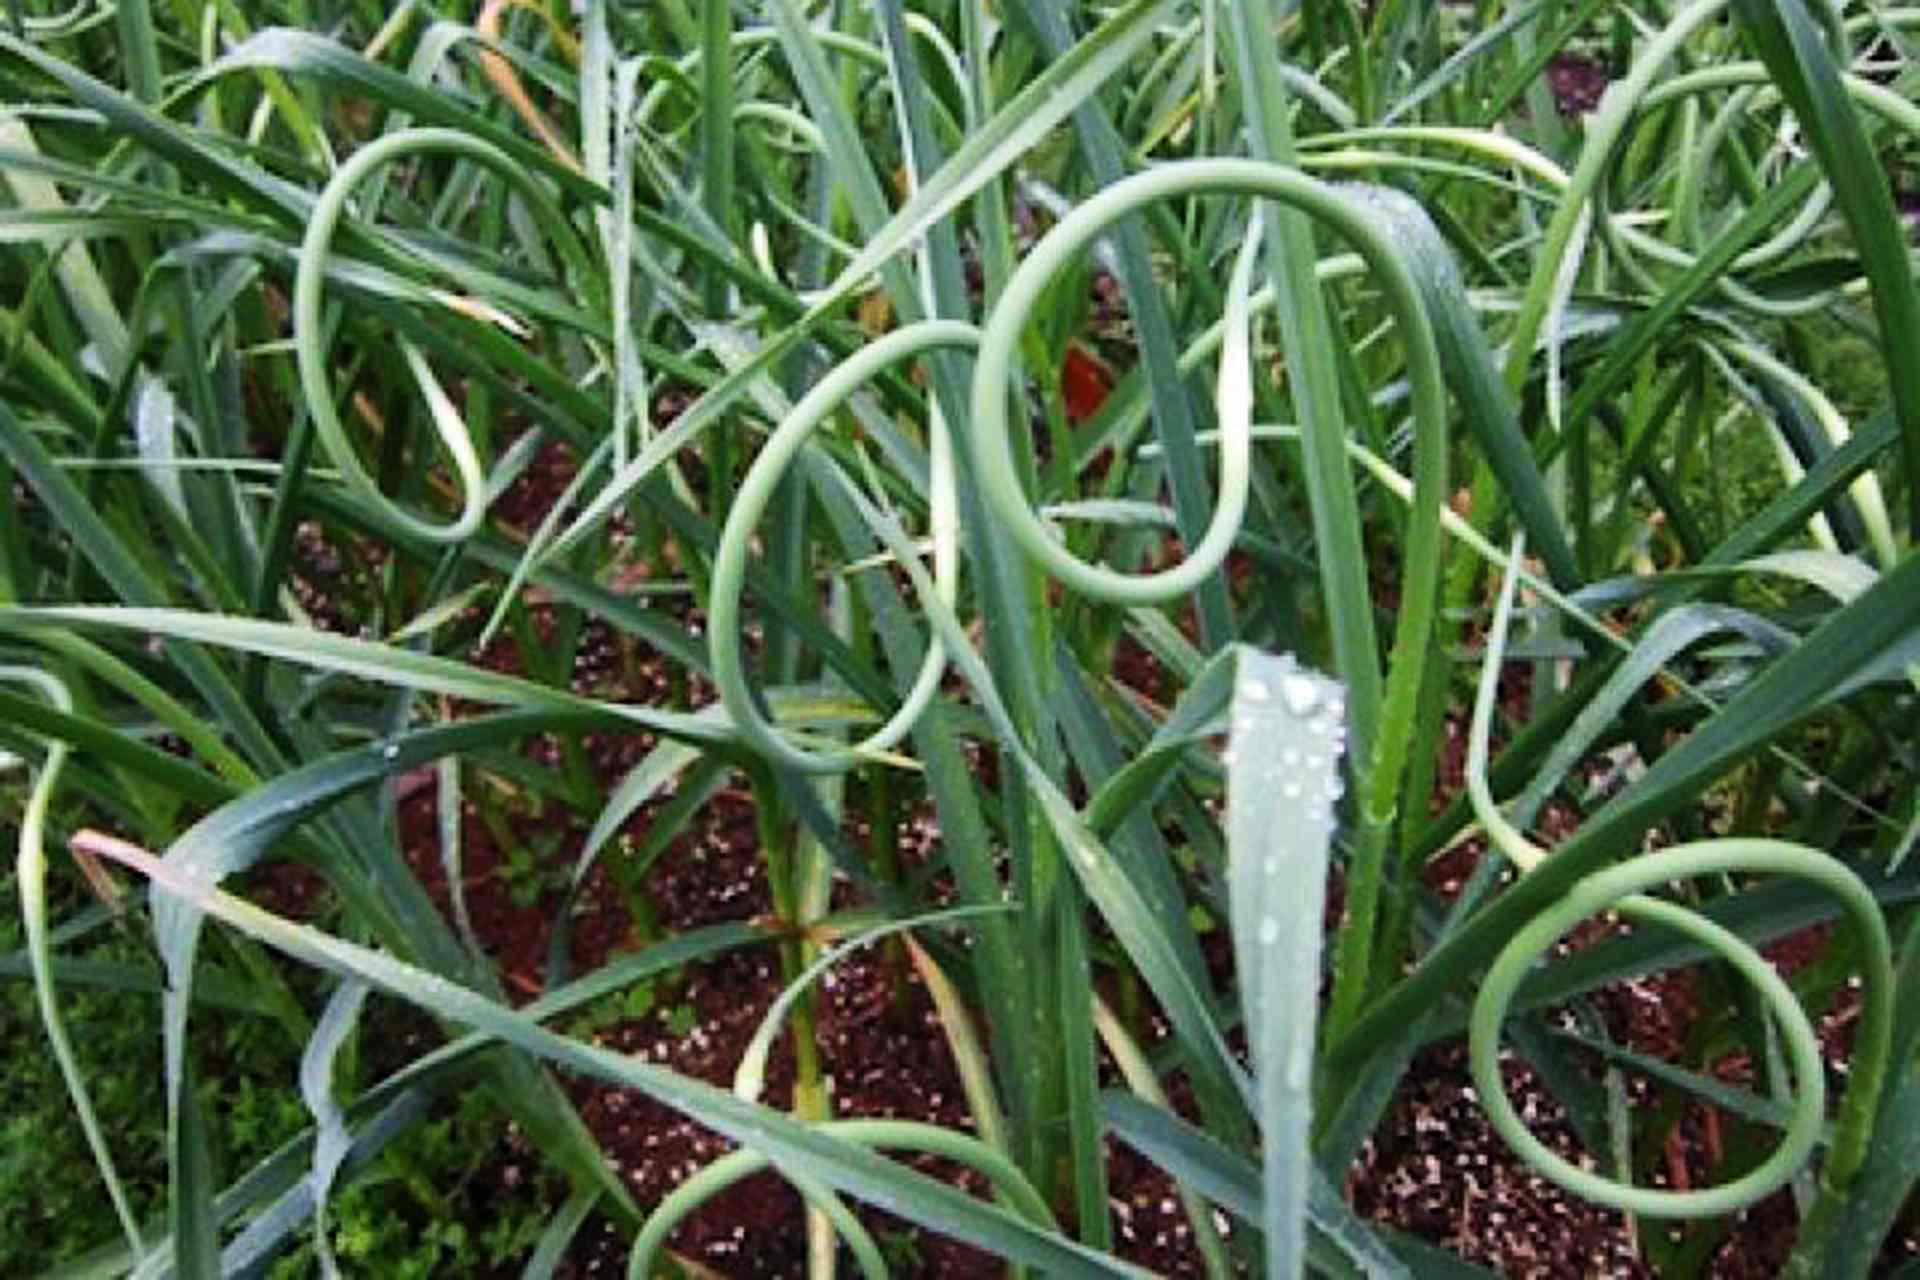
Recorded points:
308,333
756,491
1620,889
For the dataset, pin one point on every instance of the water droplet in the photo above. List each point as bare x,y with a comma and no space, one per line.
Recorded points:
1244,724
1317,812
391,751
1316,762
1290,758
1226,757
1291,791
1335,788
1256,690
1273,866
1269,931
1300,1061
1300,692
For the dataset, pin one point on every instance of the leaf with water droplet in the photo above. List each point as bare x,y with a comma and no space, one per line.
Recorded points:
1279,836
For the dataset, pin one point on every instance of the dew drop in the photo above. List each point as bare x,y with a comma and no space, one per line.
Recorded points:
1256,690
1269,931
1316,762
391,751
1291,791
1300,1061
1227,757
1300,692
1273,866
1290,757
1335,788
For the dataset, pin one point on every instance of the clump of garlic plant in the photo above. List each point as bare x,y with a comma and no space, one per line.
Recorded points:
272,274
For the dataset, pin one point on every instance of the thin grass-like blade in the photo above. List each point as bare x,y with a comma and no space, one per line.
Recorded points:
1200,713
368,660
552,1249
96,540
1489,413
1671,634
332,1141
1314,384
1796,54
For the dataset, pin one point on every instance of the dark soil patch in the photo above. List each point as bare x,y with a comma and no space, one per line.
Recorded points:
1577,83
1436,1169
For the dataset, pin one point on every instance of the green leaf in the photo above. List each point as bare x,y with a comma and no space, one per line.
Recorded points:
1289,733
